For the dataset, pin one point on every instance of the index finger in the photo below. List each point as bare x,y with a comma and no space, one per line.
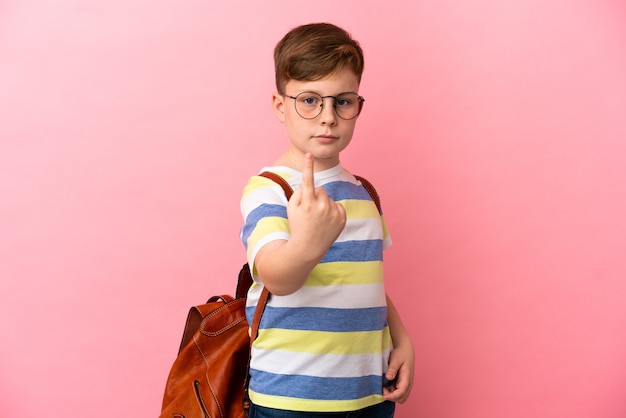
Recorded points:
308,180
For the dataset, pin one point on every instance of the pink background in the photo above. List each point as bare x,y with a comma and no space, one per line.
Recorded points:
494,131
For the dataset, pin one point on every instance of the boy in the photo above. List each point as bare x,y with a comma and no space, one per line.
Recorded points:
330,341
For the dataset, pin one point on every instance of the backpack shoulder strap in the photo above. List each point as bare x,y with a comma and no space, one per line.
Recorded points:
245,281
280,181
289,191
372,191
245,276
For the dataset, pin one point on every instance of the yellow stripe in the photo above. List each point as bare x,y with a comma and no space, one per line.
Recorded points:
254,184
313,405
342,272
359,209
320,342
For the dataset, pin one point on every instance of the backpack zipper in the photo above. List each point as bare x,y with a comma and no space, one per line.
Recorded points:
196,388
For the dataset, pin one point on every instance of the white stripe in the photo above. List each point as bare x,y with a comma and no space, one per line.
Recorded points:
341,297
271,194
285,363
364,228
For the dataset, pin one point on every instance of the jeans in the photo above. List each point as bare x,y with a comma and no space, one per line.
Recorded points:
382,410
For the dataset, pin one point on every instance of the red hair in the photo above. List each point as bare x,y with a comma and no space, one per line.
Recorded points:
314,51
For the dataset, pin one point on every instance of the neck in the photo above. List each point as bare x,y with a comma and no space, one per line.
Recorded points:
295,161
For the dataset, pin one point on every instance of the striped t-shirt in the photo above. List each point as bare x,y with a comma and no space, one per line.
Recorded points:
325,347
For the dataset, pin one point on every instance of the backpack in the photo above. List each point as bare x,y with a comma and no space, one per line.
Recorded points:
209,377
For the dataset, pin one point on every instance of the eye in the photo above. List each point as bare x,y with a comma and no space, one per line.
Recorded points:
345,100
309,100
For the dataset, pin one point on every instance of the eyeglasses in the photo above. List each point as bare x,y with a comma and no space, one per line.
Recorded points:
309,105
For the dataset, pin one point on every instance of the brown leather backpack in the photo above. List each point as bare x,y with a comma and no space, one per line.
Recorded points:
210,372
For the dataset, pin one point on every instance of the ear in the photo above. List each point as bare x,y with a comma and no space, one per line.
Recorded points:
278,106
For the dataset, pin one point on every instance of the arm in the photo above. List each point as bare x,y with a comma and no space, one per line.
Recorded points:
315,222
401,360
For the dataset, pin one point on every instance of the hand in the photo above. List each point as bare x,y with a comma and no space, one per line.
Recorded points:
400,371
315,220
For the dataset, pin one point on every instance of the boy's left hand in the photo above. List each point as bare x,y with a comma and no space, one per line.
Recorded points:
400,371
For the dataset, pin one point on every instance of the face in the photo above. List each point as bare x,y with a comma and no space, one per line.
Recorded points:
324,136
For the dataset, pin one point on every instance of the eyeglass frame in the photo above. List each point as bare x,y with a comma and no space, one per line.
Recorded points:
360,98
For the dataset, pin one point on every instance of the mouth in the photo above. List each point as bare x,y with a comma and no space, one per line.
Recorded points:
325,139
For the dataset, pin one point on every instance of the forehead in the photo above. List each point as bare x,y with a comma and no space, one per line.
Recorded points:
339,82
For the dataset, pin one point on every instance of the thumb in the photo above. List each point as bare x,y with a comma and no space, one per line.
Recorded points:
393,367
392,372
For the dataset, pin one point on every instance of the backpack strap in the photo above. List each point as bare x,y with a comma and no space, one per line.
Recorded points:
280,181
260,307
372,191
289,191
245,276
245,281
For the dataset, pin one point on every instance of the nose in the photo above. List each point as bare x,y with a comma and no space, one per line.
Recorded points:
328,116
